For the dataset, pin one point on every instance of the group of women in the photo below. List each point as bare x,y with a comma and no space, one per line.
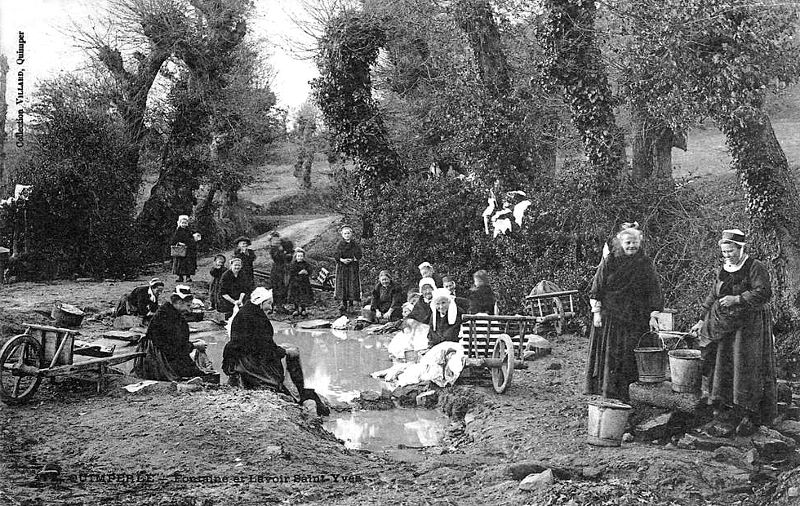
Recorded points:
735,328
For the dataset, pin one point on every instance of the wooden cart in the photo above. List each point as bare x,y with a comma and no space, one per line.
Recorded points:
553,307
488,343
46,352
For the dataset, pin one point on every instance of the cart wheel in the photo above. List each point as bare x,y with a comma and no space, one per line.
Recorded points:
558,308
17,387
501,376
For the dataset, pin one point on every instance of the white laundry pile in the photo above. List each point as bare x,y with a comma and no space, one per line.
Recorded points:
412,337
340,323
442,365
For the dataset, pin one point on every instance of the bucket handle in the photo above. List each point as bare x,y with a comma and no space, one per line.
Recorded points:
681,340
650,333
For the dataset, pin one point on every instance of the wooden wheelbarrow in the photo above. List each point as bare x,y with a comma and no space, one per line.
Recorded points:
46,352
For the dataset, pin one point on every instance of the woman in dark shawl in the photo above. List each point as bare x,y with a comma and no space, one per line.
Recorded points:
736,340
185,265
166,344
626,299
281,251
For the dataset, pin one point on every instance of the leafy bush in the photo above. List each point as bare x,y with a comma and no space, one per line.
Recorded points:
80,212
439,220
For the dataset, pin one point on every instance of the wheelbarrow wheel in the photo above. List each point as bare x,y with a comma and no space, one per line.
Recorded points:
558,309
501,376
16,386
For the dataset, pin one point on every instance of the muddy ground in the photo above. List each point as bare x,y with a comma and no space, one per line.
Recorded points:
229,447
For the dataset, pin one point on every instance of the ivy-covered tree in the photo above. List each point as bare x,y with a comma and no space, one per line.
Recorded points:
718,59
573,64
343,93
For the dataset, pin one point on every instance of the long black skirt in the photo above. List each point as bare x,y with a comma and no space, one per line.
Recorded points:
612,363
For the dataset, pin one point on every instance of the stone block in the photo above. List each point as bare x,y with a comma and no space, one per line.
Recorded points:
654,428
537,481
661,395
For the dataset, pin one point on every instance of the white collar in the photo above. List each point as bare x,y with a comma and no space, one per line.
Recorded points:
733,268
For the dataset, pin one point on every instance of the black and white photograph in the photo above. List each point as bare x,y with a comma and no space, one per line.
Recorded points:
412,252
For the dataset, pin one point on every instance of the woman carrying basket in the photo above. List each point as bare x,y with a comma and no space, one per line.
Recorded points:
626,299
184,250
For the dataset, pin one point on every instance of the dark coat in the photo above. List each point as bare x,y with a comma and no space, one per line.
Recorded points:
390,297
481,300
348,282
300,292
252,350
281,255
167,348
216,280
247,258
232,286
184,266
421,311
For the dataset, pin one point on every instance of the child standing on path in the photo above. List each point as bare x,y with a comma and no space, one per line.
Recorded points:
300,293
348,284
216,274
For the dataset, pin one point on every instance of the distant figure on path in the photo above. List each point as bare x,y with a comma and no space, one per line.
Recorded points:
300,293
281,251
348,283
185,265
217,270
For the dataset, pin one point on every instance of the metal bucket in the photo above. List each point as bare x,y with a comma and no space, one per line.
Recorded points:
686,368
607,420
651,362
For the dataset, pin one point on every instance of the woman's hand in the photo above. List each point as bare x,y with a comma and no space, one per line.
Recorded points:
197,236
654,323
303,272
729,300
597,320
696,328
346,261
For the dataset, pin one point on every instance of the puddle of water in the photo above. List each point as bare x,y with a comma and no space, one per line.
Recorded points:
382,430
337,364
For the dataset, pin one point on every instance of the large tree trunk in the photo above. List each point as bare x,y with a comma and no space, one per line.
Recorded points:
477,21
575,65
652,146
773,200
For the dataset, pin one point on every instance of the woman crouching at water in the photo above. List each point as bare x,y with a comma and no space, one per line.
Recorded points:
626,299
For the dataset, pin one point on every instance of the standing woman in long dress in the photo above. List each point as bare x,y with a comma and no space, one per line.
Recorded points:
626,299
185,265
348,282
736,339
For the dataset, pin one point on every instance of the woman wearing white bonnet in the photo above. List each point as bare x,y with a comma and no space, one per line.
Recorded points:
736,342
445,317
